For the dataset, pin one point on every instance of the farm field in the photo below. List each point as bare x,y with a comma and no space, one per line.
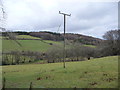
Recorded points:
95,73
27,37
31,45
59,44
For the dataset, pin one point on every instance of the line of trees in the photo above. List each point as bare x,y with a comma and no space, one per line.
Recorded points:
73,53
16,32
77,52
18,57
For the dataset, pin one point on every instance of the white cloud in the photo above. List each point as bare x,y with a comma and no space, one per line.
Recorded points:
90,18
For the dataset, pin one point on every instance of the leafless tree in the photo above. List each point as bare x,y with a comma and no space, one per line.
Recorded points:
54,54
112,42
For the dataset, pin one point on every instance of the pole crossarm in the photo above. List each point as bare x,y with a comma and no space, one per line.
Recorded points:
65,14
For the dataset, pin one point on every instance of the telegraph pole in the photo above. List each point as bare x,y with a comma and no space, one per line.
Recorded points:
64,54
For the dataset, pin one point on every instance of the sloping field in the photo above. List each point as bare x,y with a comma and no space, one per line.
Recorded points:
32,45
27,37
96,73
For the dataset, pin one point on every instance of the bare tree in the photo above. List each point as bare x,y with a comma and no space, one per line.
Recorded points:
112,42
54,54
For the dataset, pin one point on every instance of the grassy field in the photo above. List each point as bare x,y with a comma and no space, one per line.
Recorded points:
90,46
96,73
32,45
27,37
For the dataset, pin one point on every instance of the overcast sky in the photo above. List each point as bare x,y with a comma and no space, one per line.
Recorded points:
88,18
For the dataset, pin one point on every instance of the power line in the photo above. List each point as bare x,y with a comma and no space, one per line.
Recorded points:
58,28
64,54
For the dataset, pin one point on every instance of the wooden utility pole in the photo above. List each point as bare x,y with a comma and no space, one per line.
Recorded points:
64,54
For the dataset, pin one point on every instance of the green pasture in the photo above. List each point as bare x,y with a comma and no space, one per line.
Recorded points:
95,73
27,37
31,45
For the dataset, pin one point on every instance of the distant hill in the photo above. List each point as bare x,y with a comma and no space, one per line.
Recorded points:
89,40
44,35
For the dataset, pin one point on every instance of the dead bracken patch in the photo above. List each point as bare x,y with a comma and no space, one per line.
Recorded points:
93,83
109,79
39,78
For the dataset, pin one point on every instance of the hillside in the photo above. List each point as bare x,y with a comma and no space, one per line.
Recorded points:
69,36
45,35
26,37
96,73
31,45
84,39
